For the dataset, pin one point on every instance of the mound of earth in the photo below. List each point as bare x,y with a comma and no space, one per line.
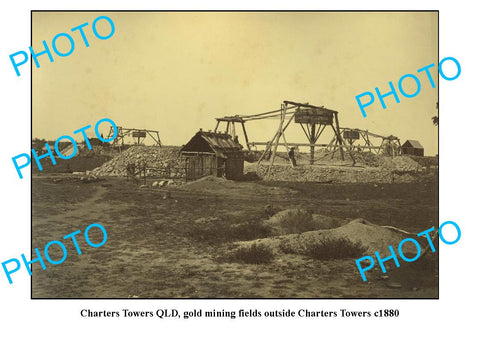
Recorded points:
289,221
334,174
371,236
400,163
159,161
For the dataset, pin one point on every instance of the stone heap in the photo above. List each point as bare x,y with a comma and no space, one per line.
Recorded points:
369,169
365,158
337,174
400,163
163,162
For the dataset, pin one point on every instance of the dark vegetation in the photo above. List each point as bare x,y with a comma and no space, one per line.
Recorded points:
297,221
221,231
341,248
253,254
156,248
411,206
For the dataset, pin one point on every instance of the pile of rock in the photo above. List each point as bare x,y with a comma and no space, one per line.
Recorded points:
366,158
163,162
400,163
337,174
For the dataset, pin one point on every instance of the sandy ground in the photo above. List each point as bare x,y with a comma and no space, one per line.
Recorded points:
169,243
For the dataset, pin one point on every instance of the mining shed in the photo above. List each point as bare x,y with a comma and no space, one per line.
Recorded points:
412,147
212,154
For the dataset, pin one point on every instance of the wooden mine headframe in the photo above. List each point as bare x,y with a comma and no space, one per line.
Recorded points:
230,129
389,145
138,135
313,120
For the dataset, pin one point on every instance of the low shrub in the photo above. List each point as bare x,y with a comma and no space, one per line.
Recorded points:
253,254
288,247
297,221
219,231
334,248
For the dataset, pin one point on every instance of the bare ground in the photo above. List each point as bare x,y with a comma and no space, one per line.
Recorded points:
170,245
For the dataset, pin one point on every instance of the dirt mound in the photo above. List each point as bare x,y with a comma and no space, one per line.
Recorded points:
369,235
400,163
290,221
425,161
369,168
332,174
366,158
159,161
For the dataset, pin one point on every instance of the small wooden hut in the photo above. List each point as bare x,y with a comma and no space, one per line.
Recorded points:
212,154
412,147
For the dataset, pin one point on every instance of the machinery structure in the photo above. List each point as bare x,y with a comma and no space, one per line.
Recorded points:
138,136
314,121
387,145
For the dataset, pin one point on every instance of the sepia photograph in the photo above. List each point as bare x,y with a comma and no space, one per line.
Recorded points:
234,154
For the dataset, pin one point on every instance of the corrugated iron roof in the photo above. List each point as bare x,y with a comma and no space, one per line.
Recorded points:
218,142
221,141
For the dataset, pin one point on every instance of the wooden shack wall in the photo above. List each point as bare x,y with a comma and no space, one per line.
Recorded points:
234,168
202,164
412,151
198,166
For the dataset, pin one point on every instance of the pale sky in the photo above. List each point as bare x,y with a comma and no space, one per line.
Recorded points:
175,72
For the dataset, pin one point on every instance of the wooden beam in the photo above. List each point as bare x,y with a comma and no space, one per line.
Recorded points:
307,105
198,153
287,147
319,133
314,144
340,141
277,137
245,135
305,131
312,141
230,119
288,123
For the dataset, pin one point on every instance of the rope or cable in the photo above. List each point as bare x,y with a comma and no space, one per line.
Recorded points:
247,117
261,114
271,116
